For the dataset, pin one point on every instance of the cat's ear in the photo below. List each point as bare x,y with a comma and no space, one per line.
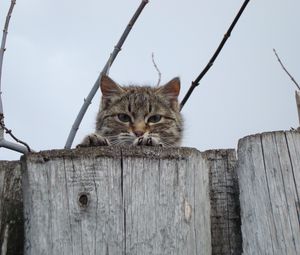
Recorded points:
171,89
109,88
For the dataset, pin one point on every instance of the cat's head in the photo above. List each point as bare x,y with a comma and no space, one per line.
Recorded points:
130,114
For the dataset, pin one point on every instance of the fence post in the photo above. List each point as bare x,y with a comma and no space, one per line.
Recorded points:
269,181
225,206
115,200
11,209
155,201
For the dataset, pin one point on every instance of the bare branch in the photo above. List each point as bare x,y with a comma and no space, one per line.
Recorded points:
3,42
13,146
157,69
104,71
297,94
195,83
287,72
24,148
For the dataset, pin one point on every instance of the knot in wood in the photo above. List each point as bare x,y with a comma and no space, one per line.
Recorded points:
187,211
83,199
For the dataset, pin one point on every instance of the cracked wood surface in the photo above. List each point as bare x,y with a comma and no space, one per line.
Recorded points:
114,200
224,195
269,181
11,209
155,201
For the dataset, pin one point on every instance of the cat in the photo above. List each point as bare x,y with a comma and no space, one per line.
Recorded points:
137,115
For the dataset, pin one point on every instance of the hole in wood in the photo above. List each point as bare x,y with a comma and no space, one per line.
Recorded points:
83,199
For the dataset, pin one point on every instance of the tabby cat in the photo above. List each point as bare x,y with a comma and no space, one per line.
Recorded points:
137,115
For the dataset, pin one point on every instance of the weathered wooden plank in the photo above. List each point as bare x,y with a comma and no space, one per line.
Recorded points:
294,151
117,201
225,209
297,95
268,170
11,209
70,203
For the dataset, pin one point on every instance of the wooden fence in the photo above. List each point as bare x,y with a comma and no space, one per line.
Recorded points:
141,200
269,181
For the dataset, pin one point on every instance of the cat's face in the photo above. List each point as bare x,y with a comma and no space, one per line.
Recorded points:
140,115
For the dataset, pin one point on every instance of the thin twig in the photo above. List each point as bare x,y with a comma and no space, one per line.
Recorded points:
297,94
8,131
157,69
104,71
287,72
195,83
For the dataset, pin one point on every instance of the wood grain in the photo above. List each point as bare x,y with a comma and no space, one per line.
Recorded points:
11,209
117,201
225,209
269,181
297,95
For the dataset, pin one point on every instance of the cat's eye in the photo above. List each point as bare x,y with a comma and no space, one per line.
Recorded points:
154,118
124,117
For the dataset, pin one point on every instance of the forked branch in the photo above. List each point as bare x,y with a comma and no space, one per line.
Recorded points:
2,49
195,83
22,147
104,71
10,133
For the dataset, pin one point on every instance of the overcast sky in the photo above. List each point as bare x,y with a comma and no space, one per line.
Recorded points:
56,49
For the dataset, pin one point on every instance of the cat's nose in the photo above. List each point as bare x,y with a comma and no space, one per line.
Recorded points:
139,133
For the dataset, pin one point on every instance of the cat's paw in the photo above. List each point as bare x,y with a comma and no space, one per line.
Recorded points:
93,140
147,141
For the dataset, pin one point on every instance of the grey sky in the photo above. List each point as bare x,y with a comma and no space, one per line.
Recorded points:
55,50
